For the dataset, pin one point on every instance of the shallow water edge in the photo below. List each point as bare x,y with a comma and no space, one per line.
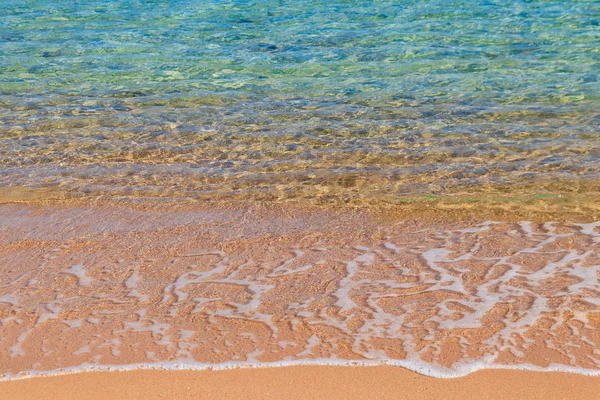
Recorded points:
191,286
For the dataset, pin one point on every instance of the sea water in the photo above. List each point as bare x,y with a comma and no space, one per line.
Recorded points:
315,100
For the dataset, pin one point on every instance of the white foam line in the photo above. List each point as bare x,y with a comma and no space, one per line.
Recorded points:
443,262
421,368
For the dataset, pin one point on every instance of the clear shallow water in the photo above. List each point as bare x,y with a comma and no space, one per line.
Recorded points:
317,100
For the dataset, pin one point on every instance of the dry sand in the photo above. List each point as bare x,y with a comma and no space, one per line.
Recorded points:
303,382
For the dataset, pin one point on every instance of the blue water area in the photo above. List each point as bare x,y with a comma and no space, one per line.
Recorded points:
374,97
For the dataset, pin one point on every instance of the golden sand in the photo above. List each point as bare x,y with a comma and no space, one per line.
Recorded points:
304,382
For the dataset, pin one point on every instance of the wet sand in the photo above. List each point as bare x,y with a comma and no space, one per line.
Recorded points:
151,283
304,382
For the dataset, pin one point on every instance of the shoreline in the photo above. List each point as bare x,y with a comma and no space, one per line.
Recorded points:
535,208
417,367
303,382
144,284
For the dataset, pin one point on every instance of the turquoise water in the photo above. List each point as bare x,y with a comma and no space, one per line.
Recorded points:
278,99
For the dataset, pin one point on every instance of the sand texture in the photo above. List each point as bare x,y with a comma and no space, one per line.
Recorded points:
304,382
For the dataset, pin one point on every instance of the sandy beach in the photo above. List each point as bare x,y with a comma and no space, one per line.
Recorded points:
299,200
303,382
120,284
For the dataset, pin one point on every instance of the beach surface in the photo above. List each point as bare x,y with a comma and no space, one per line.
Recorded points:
262,199
303,382
197,286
